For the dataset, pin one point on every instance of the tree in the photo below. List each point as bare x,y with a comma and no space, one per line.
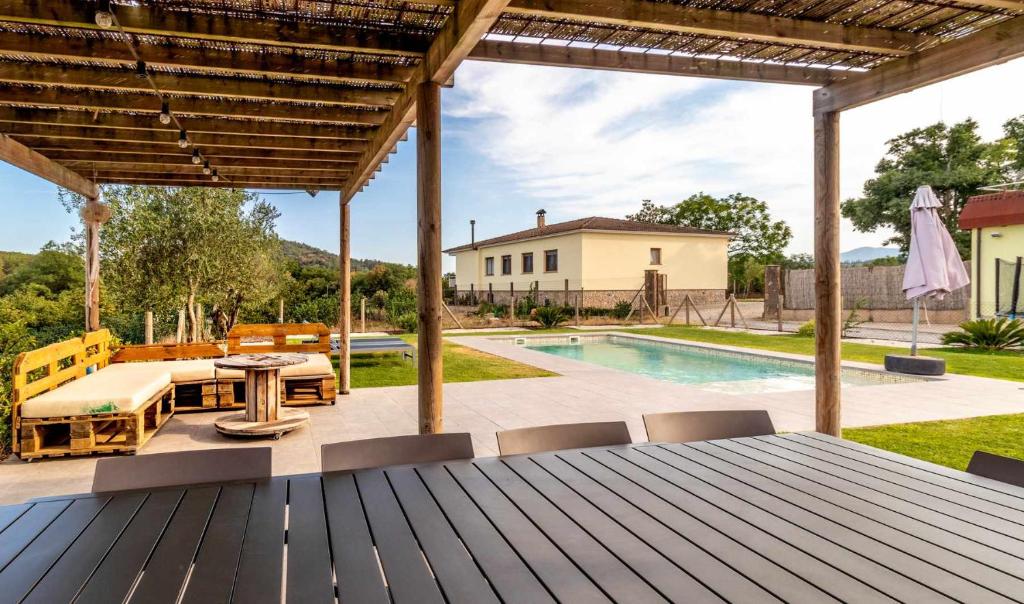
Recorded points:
954,160
168,248
757,239
798,261
56,267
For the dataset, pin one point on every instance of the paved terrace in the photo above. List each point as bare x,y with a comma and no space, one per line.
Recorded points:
582,392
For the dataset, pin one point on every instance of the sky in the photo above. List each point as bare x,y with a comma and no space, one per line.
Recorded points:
518,138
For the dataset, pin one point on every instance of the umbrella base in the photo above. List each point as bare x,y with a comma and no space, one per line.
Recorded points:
900,363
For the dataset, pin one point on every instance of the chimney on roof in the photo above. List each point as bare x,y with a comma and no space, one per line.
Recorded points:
540,218
472,234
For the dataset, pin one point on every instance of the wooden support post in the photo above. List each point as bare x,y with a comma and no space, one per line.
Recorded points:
536,293
345,296
577,311
490,293
179,335
780,312
147,322
198,331
828,298
280,310
512,311
93,215
567,292
362,315
428,204
472,295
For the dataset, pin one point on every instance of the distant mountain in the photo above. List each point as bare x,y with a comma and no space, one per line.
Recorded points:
307,255
867,254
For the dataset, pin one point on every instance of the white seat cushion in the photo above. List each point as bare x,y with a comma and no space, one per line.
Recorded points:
199,370
315,365
119,388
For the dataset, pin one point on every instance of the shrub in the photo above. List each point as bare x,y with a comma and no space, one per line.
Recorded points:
987,334
806,330
549,316
621,309
407,322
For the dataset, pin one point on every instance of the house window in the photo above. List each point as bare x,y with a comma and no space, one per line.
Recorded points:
489,266
528,262
551,261
506,265
655,255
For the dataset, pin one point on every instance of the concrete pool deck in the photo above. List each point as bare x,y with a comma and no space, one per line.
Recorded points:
582,392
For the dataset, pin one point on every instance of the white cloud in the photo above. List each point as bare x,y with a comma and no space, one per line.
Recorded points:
586,142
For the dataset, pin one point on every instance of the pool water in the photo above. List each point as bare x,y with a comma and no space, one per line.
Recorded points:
705,369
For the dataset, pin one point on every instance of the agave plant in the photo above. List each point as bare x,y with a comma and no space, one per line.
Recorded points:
989,334
549,316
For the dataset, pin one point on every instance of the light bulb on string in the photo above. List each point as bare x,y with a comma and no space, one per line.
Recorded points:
206,167
196,159
183,140
165,113
214,177
140,69
104,18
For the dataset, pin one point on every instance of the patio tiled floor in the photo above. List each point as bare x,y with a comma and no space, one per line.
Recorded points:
583,392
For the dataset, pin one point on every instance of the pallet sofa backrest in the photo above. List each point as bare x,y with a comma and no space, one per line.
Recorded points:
167,352
41,370
97,348
279,332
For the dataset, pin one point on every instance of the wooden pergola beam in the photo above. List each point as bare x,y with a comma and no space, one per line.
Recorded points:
223,166
149,153
84,161
150,103
17,154
225,173
1017,5
637,62
214,61
666,16
35,132
91,119
125,80
150,20
226,184
991,46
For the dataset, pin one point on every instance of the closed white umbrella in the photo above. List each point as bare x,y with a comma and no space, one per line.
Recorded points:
934,267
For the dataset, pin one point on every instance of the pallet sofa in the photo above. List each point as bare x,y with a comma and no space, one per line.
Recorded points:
190,365
67,400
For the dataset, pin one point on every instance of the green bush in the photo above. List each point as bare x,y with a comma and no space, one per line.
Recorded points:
550,317
408,322
987,334
621,309
806,330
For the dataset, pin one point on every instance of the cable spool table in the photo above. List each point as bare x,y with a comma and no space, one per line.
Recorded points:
263,414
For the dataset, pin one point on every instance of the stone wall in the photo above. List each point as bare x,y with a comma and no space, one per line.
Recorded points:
605,298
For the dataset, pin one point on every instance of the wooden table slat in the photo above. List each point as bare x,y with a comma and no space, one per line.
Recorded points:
310,576
258,579
748,547
557,571
988,547
657,570
118,571
934,499
66,578
408,576
507,572
670,538
21,532
456,572
946,571
168,567
213,576
355,563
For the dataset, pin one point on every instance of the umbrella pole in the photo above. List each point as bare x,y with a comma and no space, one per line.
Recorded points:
913,337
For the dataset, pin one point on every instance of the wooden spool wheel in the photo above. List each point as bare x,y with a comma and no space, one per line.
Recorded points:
263,415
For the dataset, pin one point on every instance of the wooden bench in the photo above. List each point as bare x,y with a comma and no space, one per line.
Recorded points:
312,383
191,367
109,426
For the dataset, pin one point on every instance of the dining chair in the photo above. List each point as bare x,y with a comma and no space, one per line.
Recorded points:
562,436
181,468
688,426
395,450
997,467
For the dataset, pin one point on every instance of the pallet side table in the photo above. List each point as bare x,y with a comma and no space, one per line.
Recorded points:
263,414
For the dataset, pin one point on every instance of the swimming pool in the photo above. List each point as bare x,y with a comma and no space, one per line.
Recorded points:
702,367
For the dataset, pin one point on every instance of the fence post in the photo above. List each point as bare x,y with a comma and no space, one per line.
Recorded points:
567,292
472,295
280,310
686,303
148,326
200,324
536,293
512,311
577,308
780,313
362,315
179,335
490,293
732,311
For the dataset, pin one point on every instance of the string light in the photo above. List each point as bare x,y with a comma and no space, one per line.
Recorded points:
183,139
104,18
196,159
165,113
206,167
214,177
140,69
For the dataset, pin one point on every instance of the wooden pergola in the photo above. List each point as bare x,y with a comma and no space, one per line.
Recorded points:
315,94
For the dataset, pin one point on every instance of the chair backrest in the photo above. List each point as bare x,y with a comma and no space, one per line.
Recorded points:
279,333
97,348
167,352
689,426
395,450
997,467
182,468
562,436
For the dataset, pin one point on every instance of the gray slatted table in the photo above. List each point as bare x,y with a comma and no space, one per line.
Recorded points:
795,518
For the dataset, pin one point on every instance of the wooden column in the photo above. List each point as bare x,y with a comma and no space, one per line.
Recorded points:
428,300
828,297
93,215
345,295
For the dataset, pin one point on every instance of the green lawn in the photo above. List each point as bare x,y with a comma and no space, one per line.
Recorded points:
949,443
461,364
1003,365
